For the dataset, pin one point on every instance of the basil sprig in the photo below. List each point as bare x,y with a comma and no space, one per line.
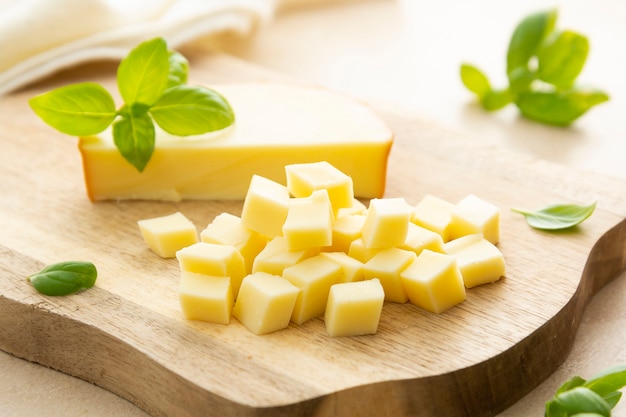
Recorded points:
152,82
64,278
542,64
557,216
594,397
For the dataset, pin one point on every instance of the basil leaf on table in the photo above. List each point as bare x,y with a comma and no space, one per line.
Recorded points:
558,108
527,37
557,216
64,278
577,401
542,65
561,58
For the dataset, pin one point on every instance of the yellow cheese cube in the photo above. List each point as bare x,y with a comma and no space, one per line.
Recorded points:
226,229
213,259
265,303
309,222
276,125
351,269
303,179
386,223
433,281
387,266
167,234
479,260
357,250
357,207
276,256
345,230
474,215
314,276
419,238
434,213
354,308
206,298
265,207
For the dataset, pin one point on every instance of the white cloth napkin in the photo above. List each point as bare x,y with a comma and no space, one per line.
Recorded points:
40,37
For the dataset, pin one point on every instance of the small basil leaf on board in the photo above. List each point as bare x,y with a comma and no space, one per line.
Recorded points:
64,278
134,137
559,108
527,38
190,110
179,69
142,75
520,79
561,58
475,80
557,216
577,401
79,109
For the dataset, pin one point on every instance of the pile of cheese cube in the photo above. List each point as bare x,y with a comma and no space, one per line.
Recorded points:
309,249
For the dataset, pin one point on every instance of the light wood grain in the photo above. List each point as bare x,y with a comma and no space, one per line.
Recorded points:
127,334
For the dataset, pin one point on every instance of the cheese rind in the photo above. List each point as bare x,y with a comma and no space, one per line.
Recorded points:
276,125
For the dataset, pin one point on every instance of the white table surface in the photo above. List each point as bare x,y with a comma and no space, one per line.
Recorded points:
408,52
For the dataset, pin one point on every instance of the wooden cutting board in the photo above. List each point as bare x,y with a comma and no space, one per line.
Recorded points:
127,333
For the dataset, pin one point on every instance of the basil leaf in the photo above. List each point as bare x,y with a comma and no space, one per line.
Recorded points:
576,401
561,58
142,75
557,216
64,278
527,38
520,79
608,381
559,108
80,109
573,382
134,137
179,68
475,80
190,110
496,99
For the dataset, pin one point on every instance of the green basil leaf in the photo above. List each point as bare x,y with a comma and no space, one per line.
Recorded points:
190,110
79,110
134,137
527,38
179,68
608,381
557,216
577,401
142,75
496,99
475,80
520,79
64,278
573,382
561,58
559,108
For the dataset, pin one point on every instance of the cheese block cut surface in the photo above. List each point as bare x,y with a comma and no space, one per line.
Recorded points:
275,125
